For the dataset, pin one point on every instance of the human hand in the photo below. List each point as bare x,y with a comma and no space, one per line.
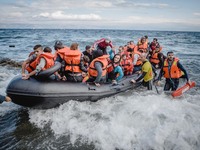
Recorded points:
133,81
23,74
7,99
158,83
97,84
64,78
26,76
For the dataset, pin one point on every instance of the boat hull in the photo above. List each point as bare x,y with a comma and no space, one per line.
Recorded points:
44,94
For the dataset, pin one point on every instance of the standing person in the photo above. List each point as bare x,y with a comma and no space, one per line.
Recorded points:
44,60
31,58
103,44
4,98
115,72
157,58
88,52
74,64
147,73
172,70
98,68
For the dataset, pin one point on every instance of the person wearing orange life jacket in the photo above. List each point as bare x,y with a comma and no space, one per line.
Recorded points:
172,70
157,58
98,68
115,72
74,64
44,60
126,64
31,58
153,46
60,51
121,50
137,62
142,45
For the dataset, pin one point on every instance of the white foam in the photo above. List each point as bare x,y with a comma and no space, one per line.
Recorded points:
141,121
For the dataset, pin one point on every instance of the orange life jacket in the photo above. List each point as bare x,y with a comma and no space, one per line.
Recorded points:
139,61
142,47
49,58
73,59
111,66
127,65
154,58
61,52
102,59
173,71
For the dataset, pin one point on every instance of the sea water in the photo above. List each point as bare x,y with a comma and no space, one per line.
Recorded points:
136,119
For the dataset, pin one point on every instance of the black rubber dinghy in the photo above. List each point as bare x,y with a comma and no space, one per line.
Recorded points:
49,93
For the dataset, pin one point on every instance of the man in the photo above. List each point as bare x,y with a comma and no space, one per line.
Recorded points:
44,60
31,58
172,71
88,52
147,74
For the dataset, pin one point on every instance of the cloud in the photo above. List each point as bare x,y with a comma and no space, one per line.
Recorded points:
196,13
98,4
122,3
59,15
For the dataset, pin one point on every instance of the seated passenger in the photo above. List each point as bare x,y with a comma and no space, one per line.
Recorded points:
42,62
74,64
127,65
31,58
88,52
98,68
115,72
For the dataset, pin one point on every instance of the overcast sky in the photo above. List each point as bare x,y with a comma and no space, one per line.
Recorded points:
178,15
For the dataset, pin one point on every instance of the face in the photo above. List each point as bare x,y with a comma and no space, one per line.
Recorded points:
38,52
120,49
117,58
143,58
143,40
170,56
124,57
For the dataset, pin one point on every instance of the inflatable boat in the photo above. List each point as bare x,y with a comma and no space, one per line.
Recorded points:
49,93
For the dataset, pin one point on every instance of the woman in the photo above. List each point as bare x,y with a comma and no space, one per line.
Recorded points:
115,72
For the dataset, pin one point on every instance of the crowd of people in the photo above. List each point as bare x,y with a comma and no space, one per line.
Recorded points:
103,62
